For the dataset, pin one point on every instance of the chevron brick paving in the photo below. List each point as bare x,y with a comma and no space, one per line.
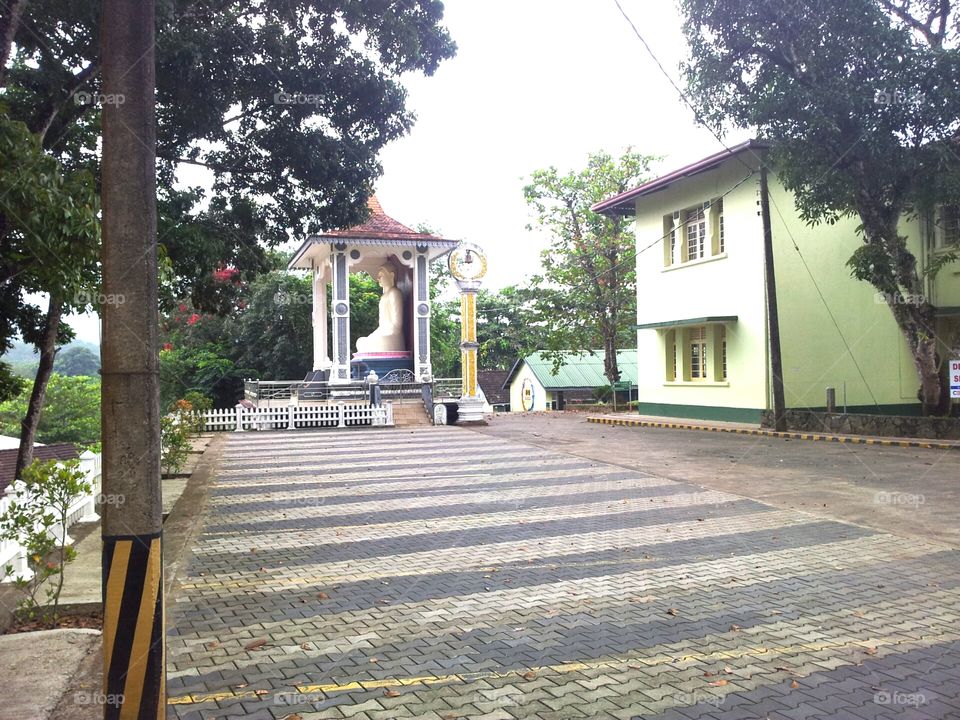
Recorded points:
441,573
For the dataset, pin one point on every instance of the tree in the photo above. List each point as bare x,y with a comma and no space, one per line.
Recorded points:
586,296
507,327
77,360
860,101
286,102
71,411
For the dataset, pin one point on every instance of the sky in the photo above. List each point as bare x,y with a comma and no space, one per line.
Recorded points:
535,83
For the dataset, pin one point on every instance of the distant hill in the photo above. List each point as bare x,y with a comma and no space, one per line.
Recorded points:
77,358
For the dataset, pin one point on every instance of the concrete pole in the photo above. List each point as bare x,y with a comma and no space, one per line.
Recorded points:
133,627
773,317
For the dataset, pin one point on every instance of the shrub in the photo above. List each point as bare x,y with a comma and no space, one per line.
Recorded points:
37,520
174,444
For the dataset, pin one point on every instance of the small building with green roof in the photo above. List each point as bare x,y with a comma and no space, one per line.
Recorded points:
535,387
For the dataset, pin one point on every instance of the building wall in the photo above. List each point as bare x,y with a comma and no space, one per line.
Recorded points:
877,369
730,284
541,397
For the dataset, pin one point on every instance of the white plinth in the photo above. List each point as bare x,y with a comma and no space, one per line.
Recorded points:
470,410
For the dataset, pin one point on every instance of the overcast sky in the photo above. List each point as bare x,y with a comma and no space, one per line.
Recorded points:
535,83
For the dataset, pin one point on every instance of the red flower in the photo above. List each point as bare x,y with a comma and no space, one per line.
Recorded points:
193,319
225,274
168,346
182,308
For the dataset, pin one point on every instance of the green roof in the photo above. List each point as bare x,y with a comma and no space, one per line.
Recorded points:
578,370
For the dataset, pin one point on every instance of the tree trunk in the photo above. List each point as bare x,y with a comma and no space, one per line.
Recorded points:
9,22
48,350
916,322
610,368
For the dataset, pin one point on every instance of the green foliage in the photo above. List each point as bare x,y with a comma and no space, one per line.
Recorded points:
603,394
202,369
77,360
174,442
71,411
36,519
508,327
586,296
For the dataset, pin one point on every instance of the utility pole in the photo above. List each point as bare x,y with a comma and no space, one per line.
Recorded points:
133,625
773,318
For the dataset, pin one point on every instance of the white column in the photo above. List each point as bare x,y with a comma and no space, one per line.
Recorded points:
340,267
321,353
423,368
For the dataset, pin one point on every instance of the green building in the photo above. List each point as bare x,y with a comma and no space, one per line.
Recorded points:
702,339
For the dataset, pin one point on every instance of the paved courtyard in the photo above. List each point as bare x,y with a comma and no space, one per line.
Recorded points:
444,573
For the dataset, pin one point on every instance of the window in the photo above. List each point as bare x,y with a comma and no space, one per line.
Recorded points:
719,215
696,232
723,351
947,231
670,354
697,345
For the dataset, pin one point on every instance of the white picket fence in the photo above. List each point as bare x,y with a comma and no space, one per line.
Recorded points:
82,509
294,417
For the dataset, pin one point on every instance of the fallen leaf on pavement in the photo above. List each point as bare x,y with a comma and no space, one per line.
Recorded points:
794,685
322,596
529,675
672,611
391,693
255,644
719,683
870,651
735,627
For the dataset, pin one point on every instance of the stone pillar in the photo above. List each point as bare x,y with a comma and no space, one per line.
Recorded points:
340,312
321,353
423,368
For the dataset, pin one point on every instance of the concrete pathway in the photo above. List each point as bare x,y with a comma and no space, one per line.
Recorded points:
443,573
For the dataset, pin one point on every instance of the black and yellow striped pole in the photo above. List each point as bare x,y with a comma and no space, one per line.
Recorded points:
133,617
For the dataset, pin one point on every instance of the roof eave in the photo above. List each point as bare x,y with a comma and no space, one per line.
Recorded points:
625,203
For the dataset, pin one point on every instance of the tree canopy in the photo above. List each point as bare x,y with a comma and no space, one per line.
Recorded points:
586,296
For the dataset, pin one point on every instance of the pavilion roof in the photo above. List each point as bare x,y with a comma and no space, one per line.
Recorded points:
379,226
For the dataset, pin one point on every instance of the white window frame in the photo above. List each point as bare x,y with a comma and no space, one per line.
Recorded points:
947,229
696,220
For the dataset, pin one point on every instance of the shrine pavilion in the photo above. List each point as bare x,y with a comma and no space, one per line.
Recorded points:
400,260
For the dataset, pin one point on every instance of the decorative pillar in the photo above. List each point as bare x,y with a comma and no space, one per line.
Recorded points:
340,313
421,312
321,352
468,265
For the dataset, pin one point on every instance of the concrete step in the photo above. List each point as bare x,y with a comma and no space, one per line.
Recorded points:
410,415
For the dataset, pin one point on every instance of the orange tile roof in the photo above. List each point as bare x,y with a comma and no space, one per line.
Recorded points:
380,226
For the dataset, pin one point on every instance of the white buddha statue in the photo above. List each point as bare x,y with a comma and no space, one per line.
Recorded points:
388,337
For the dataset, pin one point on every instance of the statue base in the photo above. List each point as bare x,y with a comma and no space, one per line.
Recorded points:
380,362
470,412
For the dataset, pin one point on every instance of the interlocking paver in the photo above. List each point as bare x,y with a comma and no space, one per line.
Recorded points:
443,573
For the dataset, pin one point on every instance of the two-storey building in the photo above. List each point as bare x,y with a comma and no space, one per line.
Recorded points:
703,344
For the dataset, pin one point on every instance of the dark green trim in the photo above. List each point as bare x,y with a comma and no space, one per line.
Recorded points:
943,312
701,412
709,320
